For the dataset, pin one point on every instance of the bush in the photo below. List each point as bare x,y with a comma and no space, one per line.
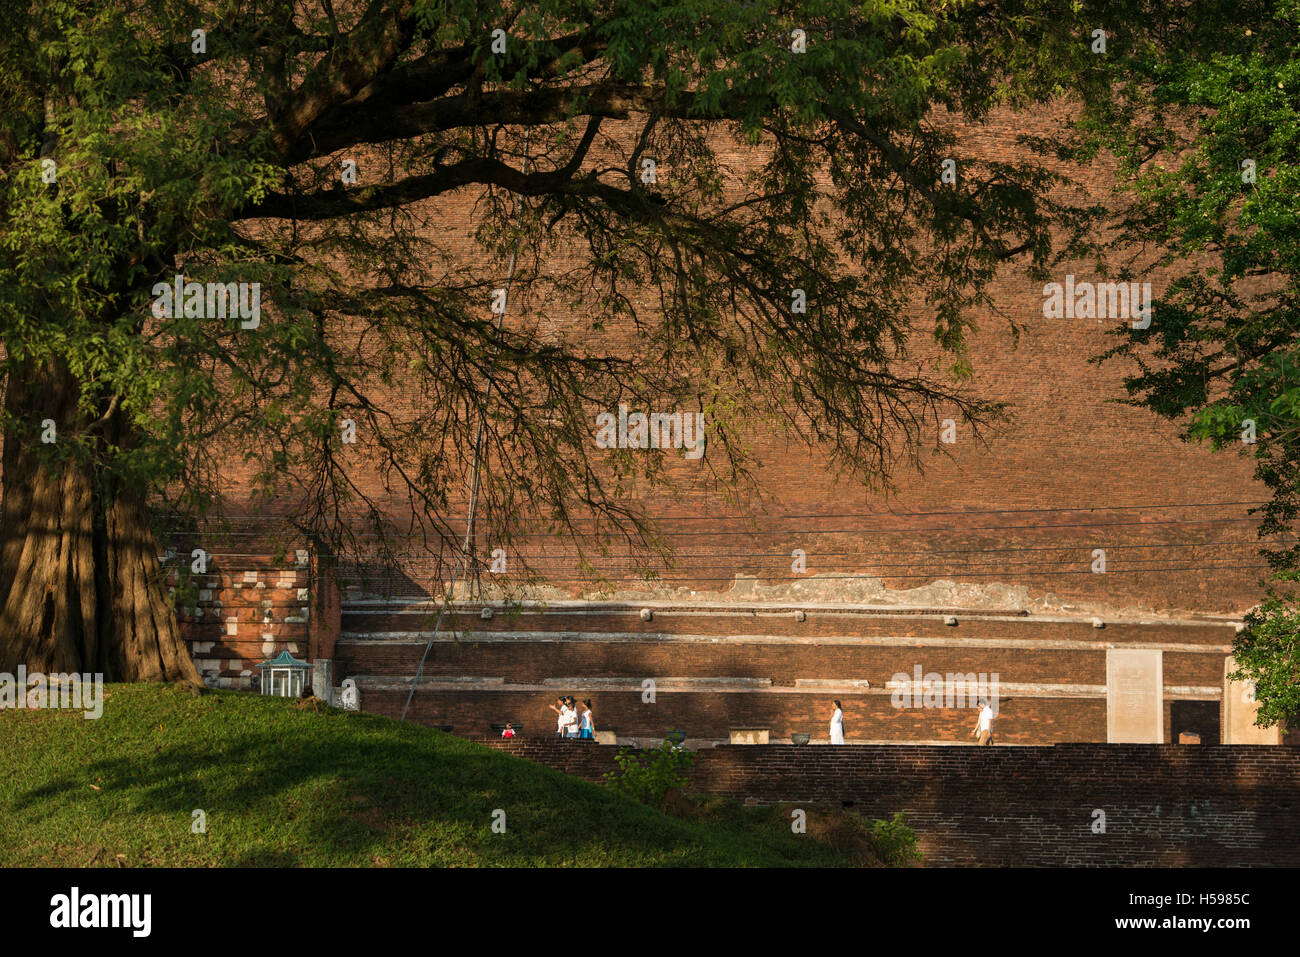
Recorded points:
649,776
894,841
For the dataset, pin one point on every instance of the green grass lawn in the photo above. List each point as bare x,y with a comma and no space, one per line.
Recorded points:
286,786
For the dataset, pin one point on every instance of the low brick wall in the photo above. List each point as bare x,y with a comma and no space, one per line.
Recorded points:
1164,805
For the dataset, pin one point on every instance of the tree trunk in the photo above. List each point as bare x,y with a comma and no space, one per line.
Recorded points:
81,588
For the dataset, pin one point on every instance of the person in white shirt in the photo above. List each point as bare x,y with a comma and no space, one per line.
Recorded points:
571,725
562,722
983,732
837,724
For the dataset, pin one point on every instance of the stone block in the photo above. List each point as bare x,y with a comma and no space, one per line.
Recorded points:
1239,711
1135,705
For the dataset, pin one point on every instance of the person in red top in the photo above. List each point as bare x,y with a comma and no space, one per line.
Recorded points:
508,731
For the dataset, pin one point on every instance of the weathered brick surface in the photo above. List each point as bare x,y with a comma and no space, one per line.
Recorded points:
534,661
819,623
1166,806
246,608
1072,471
769,670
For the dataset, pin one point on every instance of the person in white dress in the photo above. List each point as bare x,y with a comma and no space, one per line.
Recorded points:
983,732
837,725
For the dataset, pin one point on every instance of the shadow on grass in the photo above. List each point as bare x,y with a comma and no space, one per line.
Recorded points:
282,787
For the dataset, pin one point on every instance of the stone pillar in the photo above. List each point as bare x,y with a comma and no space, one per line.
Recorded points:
322,682
1135,696
1239,710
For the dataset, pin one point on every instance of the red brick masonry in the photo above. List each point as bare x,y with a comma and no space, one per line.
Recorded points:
1164,805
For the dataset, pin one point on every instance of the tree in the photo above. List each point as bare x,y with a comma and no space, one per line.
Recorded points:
159,142
1206,124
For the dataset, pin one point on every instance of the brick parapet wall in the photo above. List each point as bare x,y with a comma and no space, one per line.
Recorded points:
1029,806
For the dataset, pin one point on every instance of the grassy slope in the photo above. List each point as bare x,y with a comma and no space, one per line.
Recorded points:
284,786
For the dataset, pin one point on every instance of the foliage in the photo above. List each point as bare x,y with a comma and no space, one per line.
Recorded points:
1267,653
1206,126
222,164
894,841
649,776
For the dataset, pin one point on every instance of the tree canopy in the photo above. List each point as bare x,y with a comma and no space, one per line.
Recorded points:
285,155
1205,120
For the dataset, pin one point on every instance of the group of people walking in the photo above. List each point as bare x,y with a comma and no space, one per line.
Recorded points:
574,719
